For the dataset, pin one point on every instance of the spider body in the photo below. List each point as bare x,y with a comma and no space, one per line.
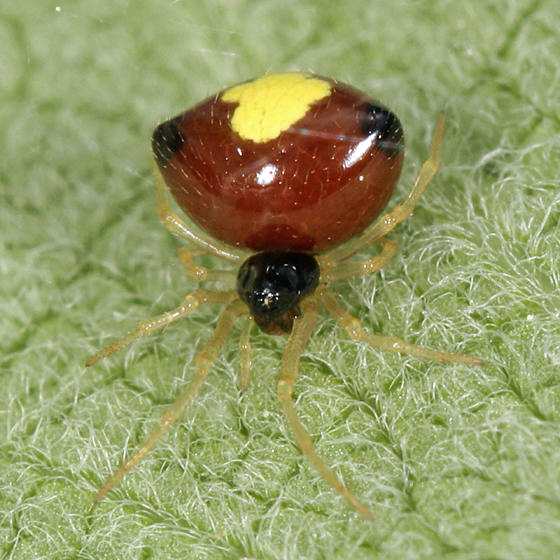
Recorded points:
287,162
273,283
294,167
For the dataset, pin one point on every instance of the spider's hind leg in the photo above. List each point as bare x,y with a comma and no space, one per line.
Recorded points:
364,267
387,222
202,273
179,227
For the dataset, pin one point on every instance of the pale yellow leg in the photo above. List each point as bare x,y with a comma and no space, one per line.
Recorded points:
245,354
178,227
365,267
201,273
203,362
303,326
148,326
386,343
386,223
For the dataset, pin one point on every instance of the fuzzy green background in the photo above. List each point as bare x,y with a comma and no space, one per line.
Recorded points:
455,462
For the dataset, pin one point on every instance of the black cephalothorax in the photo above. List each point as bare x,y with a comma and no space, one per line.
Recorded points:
273,283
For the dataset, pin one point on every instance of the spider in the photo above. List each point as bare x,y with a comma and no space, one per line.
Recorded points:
284,177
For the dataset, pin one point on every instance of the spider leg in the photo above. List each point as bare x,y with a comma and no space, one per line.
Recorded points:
178,227
203,362
384,224
386,343
148,326
201,273
364,267
245,354
301,331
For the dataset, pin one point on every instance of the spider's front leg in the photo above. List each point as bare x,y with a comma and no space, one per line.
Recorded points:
203,362
386,343
148,326
303,326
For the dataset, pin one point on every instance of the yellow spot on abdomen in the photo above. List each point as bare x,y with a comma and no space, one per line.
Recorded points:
271,104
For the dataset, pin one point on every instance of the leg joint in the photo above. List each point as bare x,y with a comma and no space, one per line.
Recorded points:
284,388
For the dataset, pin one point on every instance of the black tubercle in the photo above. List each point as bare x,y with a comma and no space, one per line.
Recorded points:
273,283
167,140
386,127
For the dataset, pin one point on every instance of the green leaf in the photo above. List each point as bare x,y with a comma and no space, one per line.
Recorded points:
454,461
